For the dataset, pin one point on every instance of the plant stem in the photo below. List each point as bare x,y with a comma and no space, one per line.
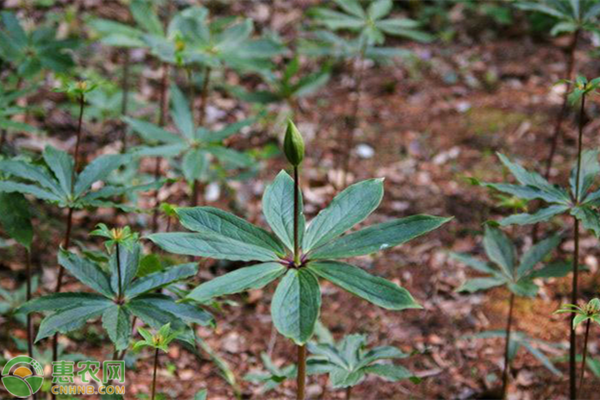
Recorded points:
204,96
575,290
585,342
352,120
125,97
162,117
507,345
301,379
192,95
78,142
296,216
348,392
195,193
120,294
563,111
29,325
154,375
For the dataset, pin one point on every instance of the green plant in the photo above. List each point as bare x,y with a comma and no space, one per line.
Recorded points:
298,254
194,147
580,202
573,17
371,25
119,295
9,108
590,312
516,275
30,52
349,361
158,341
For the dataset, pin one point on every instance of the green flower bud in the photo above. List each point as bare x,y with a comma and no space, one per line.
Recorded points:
293,145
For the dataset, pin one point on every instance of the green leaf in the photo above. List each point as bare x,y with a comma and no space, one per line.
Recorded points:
296,304
117,322
211,245
590,168
541,358
381,353
186,312
522,192
543,214
524,287
537,254
97,170
61,165
477,284
214,220
351,7
588,217
182,115
379,9
390,372
34,174
474,263
70,319
347,209
59,301
342,378
526,178
374,289
500,250
87,272
153,316
230,157
129,260
278,208
557,269
152,133
14,187
145,16
159,279
240,280
15,218
195,165
378,237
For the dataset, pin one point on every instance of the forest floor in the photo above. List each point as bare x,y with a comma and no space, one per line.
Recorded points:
431,124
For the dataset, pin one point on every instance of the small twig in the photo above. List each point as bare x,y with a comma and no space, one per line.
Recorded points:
507,346
585,343
154,375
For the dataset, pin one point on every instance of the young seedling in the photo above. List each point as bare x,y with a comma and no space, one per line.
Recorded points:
349,361
72,310
572,17
158,341
31,51
580,203
516,275
371,24
298,253
15,218
194,146
590,312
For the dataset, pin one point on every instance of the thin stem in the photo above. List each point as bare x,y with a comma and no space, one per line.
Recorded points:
120,294
162,117
125,97
507,345
348,392
296,216
29,324
301,378
195,193
192,95
585,342
563,111
154,376
78,142
352,120
204,96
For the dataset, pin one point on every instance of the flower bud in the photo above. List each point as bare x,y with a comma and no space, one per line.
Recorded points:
293,145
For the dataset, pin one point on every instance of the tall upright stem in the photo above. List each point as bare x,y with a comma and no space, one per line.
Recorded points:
565,101
162,118
352,120
125,97
204,96
507,345
29,324
585,342
301,379
296,216
348,392
154,375
575,290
